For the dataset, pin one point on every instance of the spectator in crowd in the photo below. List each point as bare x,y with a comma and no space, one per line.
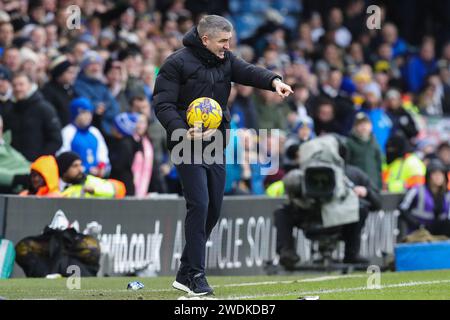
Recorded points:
302,101
443,154
31,65
12,164
30,110
426,150
401,119
360,80
404,169
317,30
342,36
386,62
381,123
89,84
11,59
122,149
344,110
419,66
303,131
355,16
271,110
6,91
243,173
155,131
332,59
86,140
157,139
428,205
116,78
148,77
44,178
143,166
132,61
324,118
305,42
252,181
434,100
364,151
77,184
59,90
6,34
369,200
243,109
233,184
355,57
78,50
389,35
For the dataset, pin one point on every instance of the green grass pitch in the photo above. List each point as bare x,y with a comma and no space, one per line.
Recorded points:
434,285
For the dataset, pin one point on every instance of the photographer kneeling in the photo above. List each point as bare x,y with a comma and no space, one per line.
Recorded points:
328,193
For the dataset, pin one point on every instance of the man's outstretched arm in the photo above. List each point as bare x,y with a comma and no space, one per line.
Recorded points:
250,75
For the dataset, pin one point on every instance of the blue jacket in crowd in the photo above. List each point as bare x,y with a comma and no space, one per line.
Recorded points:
416,71
98,92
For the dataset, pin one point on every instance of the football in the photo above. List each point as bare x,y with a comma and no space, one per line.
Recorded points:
205,111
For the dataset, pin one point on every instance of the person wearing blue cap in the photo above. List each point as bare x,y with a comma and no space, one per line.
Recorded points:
82,137
122,148
90,84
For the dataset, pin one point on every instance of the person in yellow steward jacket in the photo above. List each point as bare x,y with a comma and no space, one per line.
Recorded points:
275,189
80,185
404,169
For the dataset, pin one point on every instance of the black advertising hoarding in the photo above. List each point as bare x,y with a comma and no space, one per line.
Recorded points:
136,234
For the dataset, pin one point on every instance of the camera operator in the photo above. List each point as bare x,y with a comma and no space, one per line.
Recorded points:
292,214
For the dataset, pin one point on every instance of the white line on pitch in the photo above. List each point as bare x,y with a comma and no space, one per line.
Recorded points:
249,284
398,285
318,279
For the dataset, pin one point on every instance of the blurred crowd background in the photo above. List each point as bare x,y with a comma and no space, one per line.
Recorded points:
87,89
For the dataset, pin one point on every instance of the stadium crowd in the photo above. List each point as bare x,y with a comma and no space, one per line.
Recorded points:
76,100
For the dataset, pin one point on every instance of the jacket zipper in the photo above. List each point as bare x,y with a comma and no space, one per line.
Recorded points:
212,88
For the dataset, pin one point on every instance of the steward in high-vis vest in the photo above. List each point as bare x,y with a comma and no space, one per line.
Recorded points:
81,185
404,170
428,205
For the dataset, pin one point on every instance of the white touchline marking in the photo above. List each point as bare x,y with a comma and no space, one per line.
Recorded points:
318,279
398,285
245,284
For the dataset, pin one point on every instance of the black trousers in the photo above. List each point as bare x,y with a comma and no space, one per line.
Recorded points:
288,217
203,189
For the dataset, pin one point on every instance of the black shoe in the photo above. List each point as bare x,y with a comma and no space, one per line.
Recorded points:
289,258
199,285
182,282
356,260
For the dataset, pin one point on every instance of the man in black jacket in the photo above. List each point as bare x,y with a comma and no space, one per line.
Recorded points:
401,119
59,90
204,68
33,122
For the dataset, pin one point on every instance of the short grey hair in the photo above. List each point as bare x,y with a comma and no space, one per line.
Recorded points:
213,24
